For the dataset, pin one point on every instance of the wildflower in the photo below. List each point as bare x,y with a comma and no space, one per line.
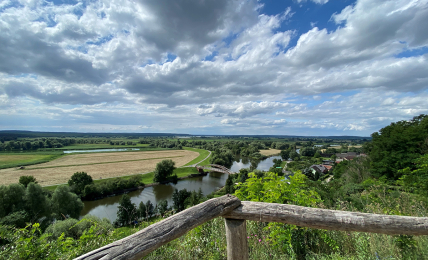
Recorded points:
255,235
260,240
248,237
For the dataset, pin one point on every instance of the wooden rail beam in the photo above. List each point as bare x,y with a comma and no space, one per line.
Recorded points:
145,241
330,219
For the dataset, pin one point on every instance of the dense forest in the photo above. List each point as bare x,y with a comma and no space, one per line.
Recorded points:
391,179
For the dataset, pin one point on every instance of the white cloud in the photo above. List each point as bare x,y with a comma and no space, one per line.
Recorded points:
224,62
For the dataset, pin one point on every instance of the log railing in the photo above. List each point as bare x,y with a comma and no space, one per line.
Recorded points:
236,213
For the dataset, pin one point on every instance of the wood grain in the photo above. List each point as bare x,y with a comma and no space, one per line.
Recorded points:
145,241
330,219
236,238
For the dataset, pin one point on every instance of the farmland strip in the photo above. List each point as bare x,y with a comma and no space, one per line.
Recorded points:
59,166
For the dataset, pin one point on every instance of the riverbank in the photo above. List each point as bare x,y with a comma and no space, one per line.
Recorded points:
142,187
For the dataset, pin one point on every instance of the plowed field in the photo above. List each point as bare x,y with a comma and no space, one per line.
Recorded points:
98,165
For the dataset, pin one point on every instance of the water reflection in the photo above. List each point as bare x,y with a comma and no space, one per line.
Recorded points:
107,207
245,162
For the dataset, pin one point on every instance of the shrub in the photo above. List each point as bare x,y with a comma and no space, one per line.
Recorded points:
63,226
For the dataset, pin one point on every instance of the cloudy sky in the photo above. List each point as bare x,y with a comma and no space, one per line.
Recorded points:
296,67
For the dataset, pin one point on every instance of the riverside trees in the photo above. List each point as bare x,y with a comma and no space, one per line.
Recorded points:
163,170
20,205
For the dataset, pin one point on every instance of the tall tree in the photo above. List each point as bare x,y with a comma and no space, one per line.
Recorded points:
36,204
163,170
127,211
11,198
397,146
65,203
162,207
78,182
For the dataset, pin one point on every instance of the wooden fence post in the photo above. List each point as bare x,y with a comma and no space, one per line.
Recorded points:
236,237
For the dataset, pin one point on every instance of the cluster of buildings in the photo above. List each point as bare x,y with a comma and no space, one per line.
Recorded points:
328,164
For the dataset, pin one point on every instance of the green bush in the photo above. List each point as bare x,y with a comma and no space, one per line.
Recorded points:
68,227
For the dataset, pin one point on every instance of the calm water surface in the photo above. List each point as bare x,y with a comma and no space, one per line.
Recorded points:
107,207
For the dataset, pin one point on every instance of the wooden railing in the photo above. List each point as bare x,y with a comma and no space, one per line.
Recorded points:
236,213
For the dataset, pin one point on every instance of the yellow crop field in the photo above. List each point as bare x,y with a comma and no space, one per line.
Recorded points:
270,152
98,165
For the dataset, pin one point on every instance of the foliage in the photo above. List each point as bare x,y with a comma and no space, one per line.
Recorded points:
37,204
294,156
127,212
222,157
109,187
162,207
150,209
179,199
65,203
25,180
78,181
396,146
285,154
66,227
163,170
141,211
307,151
277,189
74,228
416,179
229,185
11,199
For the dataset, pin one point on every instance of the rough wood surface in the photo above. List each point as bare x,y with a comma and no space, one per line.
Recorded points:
330,219
236,237
145,241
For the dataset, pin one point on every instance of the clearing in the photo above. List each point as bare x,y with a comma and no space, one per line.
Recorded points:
270,152
98,165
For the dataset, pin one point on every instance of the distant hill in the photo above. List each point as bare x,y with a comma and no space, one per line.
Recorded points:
14,134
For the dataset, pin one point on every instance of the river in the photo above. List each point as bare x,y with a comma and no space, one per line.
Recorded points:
107,207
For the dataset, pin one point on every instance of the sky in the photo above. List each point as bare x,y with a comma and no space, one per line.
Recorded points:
212,67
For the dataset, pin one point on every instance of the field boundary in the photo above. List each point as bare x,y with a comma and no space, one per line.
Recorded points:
73,165
191,163
40,161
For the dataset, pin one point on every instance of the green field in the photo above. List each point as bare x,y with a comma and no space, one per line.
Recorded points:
202,155
10,160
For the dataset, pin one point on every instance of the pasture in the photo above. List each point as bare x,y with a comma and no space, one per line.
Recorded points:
98,165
